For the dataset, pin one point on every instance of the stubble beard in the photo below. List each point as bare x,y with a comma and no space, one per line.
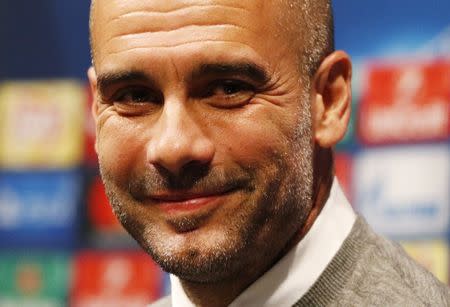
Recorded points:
285,198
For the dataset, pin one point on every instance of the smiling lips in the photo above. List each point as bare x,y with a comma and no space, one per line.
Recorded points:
187,202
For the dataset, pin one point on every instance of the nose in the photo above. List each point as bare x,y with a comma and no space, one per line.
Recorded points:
178,140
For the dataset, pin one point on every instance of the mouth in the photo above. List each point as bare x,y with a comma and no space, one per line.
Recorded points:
173,202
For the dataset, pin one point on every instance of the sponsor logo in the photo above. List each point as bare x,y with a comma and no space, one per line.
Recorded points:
405,102
122,279
403,192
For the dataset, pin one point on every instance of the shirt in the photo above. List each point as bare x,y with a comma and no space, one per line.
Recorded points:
304,263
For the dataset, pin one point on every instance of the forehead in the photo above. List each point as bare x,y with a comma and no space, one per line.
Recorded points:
122,27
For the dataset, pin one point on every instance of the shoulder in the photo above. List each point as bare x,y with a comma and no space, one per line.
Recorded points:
385,275
162,302
370,270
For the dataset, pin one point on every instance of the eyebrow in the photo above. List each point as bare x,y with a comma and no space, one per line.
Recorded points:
109,79
247,69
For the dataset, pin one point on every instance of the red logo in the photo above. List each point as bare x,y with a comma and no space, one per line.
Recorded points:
405,102
115,279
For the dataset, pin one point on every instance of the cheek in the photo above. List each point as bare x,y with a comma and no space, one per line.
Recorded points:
119,143
254,136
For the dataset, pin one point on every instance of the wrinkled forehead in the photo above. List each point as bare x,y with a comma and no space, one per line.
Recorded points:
113,8
136,23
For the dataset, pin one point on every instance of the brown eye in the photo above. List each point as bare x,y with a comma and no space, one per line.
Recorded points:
137,96
230,87
228,93
136,101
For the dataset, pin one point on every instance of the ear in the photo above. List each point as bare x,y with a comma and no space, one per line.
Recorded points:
331,99
92,76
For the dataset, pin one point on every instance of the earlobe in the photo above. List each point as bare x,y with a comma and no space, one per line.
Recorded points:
331,99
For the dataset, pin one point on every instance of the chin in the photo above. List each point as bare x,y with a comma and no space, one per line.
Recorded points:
199,256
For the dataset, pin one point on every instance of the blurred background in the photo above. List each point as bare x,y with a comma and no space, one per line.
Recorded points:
60,245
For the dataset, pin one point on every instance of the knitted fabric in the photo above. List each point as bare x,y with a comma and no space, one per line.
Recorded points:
369,270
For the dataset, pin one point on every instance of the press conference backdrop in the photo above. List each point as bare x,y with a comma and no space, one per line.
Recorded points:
60,245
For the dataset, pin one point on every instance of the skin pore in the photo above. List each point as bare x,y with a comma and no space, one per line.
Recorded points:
205,105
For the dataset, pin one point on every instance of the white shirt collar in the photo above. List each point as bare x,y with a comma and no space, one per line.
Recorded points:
291,277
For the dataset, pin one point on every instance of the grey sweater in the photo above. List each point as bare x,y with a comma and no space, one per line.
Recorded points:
369,270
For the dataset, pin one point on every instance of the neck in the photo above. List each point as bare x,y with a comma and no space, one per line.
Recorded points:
324,174
224,292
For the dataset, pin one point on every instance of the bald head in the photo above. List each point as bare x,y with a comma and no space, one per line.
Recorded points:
307,23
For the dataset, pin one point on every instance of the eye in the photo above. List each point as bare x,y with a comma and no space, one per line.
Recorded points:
136,100
228,93
137,95
229,87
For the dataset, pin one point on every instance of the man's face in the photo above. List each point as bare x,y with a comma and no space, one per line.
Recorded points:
203,131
